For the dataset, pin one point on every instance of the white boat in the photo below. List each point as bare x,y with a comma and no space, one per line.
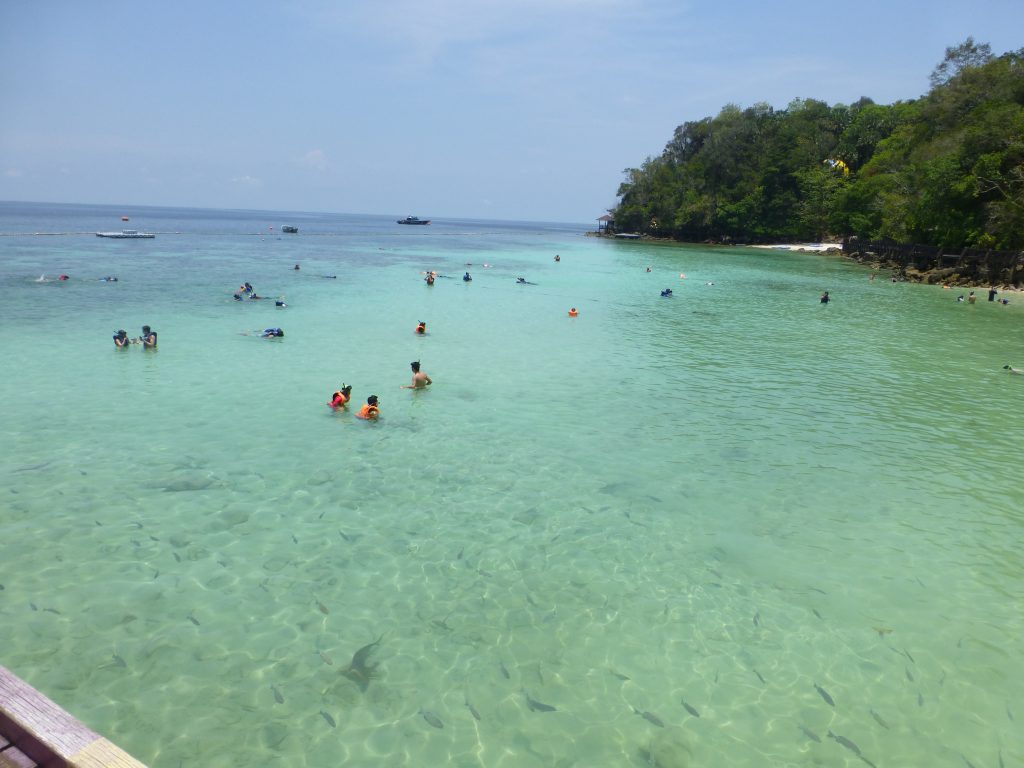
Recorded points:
126,234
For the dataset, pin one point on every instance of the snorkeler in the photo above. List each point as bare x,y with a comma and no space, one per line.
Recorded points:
421,328
371,410
341,398
148,337
121,340
280,303
272,333
420,380
667,292
466,278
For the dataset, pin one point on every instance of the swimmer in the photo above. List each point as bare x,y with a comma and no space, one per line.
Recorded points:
148,337
341,398
557,257
121,340
824,298
1011,369
429,279
108,279
708,283
523,281
648,269
371,410
682,276
466,278
420,380
421,328
667,292
236,297
296,267
64,277
1004,302
960,297
574,312
280,304
971,298
272,333
246,288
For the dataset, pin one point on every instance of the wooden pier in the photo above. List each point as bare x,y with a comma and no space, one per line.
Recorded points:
36,733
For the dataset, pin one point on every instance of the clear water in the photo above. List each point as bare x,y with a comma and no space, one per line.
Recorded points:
726,498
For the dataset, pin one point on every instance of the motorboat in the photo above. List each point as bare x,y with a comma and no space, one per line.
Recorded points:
290,229
413,220
127,234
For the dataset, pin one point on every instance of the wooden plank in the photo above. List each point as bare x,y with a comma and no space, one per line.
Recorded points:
12,757
42,730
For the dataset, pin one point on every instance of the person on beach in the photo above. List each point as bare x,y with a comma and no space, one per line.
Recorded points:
342,397
824,298
420,380
121,340
421,328
371,410
148,337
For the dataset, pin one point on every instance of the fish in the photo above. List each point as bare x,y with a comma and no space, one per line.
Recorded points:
295,540
621,676
321,515
843,741
909,656
920,699
328,719
759,677
815,610
193,619
689,709
472,710
824,694
882,631
810,734
326,659
879,720
816,589
153,538
52,610
176,556
431,718
969,763
504,671
910,675
118,661
359,671
461,552
33,606
346,538
278,696
323,608
757,619
537,706
1009,714
650,717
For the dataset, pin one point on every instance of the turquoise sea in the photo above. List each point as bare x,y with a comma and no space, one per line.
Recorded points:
735,527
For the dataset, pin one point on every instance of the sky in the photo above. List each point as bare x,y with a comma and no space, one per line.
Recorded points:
526,110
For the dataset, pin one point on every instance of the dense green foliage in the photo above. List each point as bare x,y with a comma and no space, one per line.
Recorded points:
946,169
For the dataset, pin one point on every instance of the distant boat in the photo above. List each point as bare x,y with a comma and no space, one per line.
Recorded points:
627,236
124,218
289,229
413,220
126,234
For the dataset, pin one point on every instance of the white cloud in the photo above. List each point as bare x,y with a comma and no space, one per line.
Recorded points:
247,181
315,159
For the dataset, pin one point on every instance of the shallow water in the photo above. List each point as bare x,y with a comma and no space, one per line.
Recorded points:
726,498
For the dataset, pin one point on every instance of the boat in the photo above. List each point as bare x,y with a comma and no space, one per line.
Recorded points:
127,234
413,220
290,229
